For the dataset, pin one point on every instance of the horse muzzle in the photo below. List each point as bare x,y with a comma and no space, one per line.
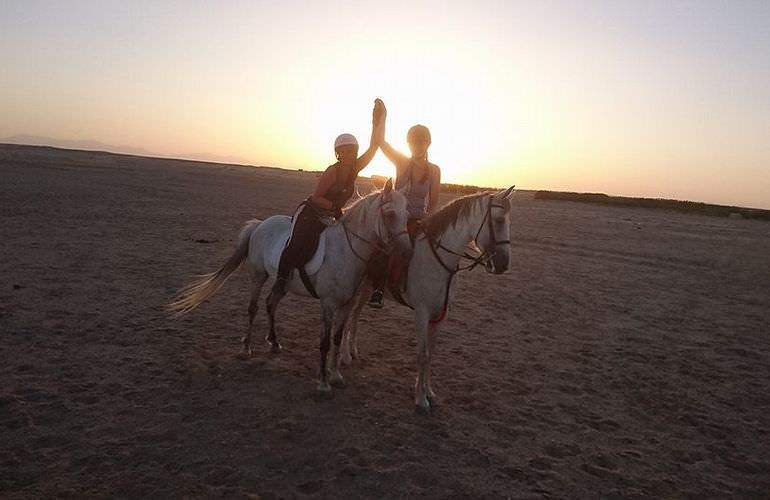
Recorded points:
498,264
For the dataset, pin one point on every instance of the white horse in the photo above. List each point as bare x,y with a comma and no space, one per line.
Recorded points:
482,221
372,223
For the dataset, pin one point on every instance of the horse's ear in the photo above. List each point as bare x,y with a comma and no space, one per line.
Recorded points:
508,192
388,187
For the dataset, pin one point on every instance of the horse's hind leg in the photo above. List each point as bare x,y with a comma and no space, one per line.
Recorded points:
432,333
272,304
257,282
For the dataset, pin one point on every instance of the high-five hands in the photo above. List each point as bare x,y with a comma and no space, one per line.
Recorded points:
379,112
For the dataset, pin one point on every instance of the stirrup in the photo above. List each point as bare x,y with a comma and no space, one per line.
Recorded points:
376,299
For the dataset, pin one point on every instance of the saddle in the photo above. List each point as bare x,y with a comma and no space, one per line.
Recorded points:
312,266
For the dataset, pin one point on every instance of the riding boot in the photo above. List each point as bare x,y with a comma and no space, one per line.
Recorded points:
376,299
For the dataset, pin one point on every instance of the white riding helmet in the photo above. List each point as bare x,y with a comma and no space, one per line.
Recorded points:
345,140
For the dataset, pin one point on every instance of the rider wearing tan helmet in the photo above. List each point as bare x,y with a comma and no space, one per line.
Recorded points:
422,180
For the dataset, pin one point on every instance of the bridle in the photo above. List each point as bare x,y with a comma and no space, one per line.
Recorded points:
377,245
482,258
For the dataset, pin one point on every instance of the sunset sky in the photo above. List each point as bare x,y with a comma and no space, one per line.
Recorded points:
660,99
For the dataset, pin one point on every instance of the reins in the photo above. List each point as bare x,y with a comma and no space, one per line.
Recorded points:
376,245
482,258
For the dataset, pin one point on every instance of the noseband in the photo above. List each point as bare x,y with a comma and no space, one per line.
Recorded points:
487,255
483,257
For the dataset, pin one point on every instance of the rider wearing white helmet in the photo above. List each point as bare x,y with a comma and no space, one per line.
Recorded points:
345,140
334,189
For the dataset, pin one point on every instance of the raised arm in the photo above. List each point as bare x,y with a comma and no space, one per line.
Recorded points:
378,131
400,160
365,158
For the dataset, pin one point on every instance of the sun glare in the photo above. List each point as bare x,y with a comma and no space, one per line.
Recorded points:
472,139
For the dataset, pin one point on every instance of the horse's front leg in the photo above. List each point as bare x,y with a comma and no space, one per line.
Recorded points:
272,305
341,318
327,318
350,338
420,388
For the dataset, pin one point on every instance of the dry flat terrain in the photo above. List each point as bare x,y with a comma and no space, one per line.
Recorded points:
626,353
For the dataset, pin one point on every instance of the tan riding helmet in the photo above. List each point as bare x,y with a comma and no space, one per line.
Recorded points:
418,133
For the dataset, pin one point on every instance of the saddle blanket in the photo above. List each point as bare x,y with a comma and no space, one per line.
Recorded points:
313,265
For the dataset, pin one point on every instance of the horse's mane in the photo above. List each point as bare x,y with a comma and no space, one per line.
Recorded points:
438,222
359,205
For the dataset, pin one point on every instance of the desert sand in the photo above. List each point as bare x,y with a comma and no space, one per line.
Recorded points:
625,354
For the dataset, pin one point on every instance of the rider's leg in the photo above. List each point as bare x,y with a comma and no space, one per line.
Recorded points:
378,273
303,242
379,268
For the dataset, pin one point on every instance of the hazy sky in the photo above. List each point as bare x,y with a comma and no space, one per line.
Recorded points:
663,99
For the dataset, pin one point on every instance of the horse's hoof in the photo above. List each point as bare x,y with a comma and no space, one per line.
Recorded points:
244,355
337,380
324,388
346,359
432,398
422,408
275,347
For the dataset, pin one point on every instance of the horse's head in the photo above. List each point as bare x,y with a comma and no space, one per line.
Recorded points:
394,216
494,236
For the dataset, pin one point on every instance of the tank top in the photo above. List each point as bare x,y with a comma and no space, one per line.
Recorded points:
416,192
342,189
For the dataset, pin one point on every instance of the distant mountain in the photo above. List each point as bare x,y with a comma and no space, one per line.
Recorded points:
35,140
238,160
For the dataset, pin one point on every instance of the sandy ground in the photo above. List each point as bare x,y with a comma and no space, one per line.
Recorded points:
626,353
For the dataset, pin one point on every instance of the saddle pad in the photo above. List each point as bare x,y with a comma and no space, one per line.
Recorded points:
313,265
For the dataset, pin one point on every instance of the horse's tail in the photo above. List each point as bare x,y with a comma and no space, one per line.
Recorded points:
191,296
